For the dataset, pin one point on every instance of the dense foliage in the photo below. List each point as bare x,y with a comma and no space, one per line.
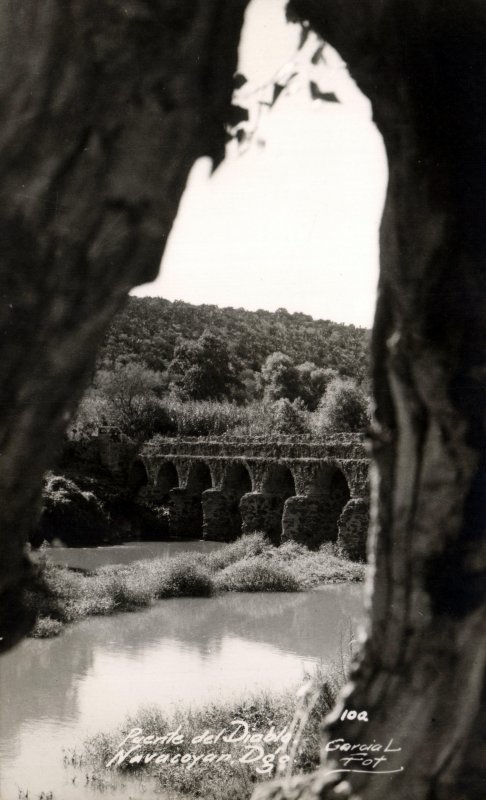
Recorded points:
177,369
344,407
202,369
149,329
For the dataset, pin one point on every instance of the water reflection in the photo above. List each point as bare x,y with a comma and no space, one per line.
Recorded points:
90,558
182,651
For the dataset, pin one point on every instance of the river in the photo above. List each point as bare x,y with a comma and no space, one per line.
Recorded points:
182,651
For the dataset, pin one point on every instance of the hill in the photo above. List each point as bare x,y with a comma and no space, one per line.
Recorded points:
148,329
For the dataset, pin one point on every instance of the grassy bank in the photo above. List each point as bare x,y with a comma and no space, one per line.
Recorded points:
218,769
250,564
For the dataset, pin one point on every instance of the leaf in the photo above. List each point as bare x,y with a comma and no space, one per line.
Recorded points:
239,80
317,94
236,115
286,82
304,35
317,55
277,91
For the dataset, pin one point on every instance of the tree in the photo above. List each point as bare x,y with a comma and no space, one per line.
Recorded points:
289,418
87,202
202,369
127,388
280,378
127,398
314,382
344,407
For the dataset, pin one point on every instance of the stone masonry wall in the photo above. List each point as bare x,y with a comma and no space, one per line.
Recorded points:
324,498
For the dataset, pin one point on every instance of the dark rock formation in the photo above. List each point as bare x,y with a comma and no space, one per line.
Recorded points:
104,108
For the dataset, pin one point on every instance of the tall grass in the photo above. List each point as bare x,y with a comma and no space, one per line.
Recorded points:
218,418
224,777
211,418
251,564
256,575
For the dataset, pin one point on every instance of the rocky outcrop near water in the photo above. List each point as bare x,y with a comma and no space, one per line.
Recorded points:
82,510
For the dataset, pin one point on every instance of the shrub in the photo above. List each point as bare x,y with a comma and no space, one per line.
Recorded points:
326,566
129,592
94,410
314,382
280,377
70,514
289,418
254,544
256,574
185,577
152,417
289,551
344,407
46,628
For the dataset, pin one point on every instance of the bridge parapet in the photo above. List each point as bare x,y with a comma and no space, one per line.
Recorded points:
340,445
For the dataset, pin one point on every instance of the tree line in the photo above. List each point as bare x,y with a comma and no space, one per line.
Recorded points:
178,369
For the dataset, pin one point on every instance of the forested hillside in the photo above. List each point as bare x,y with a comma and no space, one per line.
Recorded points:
178,369
148,330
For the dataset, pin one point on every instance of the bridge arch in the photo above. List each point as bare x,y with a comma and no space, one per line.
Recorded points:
237,479
186,510
199,478
313,518
277,486
167,479
236,483
278,480
339,494
137,476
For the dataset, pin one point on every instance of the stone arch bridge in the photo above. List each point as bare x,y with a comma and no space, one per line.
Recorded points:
308,491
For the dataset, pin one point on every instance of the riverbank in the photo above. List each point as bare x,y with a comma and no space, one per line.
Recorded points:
251,564
208,752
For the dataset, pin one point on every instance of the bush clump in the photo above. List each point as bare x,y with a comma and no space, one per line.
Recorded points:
290,418
254,544
70,514
185,577
343,408
256,575
46,628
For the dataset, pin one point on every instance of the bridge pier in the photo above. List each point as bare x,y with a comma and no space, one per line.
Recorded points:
306,520
185,514
261,511
221,515
328,516
353,529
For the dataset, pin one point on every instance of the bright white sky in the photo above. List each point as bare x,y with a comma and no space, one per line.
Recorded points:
293,224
